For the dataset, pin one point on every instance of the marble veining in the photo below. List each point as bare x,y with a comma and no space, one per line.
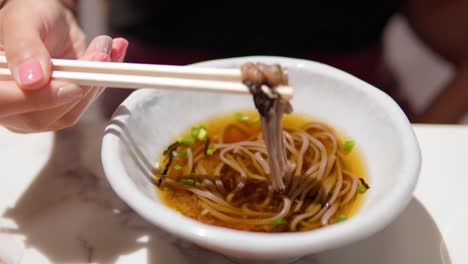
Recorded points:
69,214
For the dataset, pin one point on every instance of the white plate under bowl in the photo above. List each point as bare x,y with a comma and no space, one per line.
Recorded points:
150,119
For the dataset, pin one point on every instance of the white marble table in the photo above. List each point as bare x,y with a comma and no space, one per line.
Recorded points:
57,207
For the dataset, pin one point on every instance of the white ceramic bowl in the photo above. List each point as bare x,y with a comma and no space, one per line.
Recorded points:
151,119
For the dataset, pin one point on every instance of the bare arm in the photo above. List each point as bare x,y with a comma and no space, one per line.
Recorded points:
443,26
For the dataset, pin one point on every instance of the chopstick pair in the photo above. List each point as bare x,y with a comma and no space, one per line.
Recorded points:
137,76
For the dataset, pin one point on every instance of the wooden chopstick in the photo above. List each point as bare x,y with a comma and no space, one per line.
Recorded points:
187,72
136,76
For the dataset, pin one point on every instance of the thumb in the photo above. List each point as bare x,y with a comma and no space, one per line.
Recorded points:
27,55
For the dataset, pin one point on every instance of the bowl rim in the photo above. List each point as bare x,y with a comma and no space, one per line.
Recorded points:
277,244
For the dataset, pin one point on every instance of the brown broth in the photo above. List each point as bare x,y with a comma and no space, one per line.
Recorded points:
187,204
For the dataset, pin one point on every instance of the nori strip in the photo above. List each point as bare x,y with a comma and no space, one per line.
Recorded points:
364,183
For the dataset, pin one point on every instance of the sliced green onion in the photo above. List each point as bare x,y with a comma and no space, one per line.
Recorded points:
177,167
186,141
278,221
182,153
256,120
202,134
362,189
188,181
210,152
348,146
195,131
240,116
341,217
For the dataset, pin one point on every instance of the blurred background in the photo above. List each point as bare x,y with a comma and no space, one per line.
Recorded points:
421,73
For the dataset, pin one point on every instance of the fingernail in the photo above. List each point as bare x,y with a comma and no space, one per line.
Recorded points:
119,47
30,72
69,93
104,44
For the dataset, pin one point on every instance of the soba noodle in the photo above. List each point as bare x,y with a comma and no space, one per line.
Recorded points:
271,179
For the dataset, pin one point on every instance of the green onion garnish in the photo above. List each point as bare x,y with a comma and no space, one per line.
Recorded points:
362,189
240,116
201,134
188,181
210,152
182,153
340,218
256,120
278,221
177,167
186,141
195,131
348,146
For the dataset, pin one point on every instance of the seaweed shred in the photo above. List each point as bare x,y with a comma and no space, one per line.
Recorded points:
364,183
169,155
171,148
262,101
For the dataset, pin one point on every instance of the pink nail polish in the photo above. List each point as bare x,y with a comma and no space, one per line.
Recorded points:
119,46
30,72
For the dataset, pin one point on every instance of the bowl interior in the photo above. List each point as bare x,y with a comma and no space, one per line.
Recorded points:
151,119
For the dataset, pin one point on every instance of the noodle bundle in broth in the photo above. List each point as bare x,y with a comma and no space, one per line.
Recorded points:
254,172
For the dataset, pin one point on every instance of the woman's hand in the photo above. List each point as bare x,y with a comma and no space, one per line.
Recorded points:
31,32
